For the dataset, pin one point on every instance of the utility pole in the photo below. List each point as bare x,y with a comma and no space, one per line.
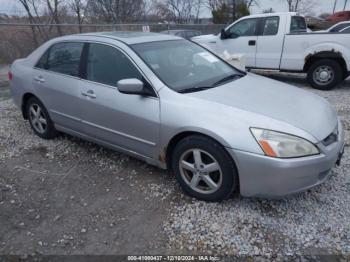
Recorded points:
335,5
345,2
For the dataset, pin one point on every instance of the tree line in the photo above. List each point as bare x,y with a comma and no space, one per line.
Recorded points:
131,11
137,11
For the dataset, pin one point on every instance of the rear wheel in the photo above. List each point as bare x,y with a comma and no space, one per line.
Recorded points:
325,74
39,119
204,169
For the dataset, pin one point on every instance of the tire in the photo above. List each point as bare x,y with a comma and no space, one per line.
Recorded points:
40,118
325,74
215,167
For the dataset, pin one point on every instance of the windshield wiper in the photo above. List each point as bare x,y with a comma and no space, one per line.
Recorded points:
194,89
227,79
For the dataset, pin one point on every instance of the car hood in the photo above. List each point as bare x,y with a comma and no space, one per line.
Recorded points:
276,100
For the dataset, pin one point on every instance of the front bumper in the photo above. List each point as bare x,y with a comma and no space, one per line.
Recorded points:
262,176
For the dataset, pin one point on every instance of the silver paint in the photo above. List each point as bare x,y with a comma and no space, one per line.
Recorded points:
144,126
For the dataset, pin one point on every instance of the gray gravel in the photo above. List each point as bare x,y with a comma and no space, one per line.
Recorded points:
313,222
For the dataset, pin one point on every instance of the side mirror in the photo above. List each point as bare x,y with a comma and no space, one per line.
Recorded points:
131,86
223,34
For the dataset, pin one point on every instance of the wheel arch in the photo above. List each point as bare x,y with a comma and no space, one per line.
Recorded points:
333,55
179,136
175,139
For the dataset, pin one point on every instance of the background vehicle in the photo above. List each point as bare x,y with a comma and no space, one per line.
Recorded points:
339,17
345,30
280,41
187,34
175,105
339,27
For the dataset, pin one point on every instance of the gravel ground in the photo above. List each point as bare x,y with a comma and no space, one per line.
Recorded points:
313,222
4,91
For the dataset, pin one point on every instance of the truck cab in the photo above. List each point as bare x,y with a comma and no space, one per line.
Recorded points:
258,37
281,41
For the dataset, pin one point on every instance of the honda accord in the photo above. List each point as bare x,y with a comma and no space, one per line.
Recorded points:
178,106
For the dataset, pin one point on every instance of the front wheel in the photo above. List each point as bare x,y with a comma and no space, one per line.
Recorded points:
325,74
204,169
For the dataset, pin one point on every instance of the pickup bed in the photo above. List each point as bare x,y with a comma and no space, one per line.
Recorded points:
280,41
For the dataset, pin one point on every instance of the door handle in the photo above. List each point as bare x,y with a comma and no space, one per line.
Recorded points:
39,79
252,42
90,93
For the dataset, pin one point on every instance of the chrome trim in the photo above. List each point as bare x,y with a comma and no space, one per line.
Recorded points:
102,43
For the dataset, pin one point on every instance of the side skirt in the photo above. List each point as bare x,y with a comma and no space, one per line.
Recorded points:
146,159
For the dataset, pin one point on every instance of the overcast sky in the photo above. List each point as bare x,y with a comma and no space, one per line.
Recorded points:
322,6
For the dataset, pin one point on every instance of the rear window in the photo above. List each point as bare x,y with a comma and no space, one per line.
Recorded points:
297,24
64,58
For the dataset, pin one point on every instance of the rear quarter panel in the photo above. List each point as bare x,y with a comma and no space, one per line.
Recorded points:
297,47
21,82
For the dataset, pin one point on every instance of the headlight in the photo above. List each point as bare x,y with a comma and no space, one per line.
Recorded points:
276,144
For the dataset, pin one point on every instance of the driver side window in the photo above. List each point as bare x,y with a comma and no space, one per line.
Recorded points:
247,27
107,65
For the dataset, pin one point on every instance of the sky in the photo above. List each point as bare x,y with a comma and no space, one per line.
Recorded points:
12,7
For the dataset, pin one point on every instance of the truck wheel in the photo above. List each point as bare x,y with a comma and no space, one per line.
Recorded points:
325,74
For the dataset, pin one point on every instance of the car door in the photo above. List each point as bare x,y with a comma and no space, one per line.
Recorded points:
56,82
241,39
270,42
127,121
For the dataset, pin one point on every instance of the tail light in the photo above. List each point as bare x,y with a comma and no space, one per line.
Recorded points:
10,75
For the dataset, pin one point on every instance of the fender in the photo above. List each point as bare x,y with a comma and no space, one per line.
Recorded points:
328,50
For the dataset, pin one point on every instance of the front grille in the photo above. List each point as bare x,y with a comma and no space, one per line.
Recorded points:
332,138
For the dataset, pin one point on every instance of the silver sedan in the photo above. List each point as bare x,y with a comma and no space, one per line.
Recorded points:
176,105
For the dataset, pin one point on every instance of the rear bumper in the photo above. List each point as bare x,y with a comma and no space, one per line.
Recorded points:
262,176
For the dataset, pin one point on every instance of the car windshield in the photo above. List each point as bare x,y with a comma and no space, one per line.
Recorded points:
183,65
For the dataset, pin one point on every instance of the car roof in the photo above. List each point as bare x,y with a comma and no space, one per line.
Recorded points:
128,37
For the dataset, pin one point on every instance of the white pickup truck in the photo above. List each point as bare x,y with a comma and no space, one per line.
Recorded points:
280,41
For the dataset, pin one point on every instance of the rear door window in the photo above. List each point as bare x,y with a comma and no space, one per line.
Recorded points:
298,24
42,63
64,58
271,25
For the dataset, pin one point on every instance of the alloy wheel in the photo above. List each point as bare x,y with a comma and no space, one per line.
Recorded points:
201,171
37,118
